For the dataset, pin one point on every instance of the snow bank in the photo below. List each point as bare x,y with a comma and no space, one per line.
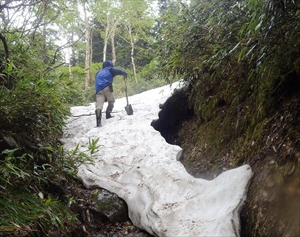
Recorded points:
136,163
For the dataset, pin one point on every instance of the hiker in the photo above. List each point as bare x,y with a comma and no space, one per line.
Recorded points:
104,89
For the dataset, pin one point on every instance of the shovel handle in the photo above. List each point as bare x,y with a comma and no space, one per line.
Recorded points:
125,80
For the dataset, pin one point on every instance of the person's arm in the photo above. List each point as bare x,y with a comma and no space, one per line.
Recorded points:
117,71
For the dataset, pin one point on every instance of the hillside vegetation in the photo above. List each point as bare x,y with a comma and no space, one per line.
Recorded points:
241,62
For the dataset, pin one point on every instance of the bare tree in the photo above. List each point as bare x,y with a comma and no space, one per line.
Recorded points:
88,47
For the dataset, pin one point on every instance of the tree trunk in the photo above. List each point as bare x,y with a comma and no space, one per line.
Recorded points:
91,57
104,49
70,55
132,53
70,72
132,61
113,48
87,49
106,37
110,31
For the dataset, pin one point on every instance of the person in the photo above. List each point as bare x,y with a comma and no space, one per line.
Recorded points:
104,89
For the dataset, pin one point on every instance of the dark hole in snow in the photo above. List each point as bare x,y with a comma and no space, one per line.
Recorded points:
173,112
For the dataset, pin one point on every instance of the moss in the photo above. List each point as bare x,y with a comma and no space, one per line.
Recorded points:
249,129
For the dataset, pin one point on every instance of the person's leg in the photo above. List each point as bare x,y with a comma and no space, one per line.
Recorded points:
100,98
111,100
109,110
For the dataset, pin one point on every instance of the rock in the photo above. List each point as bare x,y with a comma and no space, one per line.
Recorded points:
110,205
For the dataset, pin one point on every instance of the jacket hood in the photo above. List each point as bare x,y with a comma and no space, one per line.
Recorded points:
107,63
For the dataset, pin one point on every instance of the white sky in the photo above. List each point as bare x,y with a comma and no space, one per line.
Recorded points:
135,162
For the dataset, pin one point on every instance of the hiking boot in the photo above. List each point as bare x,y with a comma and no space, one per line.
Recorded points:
108,116
98,117
109,110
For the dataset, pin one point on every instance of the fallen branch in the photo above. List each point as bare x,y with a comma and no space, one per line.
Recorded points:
81,115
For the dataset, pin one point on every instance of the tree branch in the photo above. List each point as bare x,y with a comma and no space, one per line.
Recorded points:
6,5
5,47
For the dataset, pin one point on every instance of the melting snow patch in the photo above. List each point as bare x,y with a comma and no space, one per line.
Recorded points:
135,162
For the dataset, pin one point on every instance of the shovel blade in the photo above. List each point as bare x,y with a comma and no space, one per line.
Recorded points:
129,109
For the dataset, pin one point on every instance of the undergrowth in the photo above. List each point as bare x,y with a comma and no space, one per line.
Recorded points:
33,164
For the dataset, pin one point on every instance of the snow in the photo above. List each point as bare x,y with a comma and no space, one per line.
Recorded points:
135,162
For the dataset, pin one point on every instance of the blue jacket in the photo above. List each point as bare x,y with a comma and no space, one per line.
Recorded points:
105,76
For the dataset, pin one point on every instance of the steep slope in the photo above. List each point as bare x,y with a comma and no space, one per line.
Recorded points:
271,146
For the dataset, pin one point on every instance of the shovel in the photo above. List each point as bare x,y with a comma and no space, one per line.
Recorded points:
128,107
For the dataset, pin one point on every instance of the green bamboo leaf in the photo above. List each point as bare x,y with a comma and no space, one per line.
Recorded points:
241,54
234,48
249,52
8,228
258,26
10,152
9,67
48,202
